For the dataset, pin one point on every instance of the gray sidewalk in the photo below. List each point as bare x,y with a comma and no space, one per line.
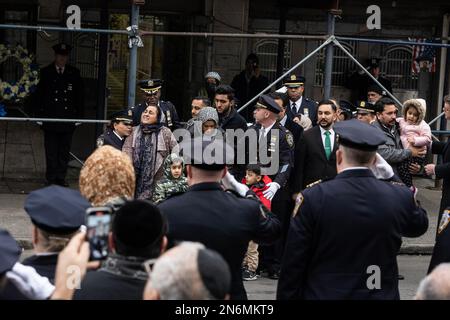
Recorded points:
14,218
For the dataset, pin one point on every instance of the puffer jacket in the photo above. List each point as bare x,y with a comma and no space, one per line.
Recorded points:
170,185
258,189
421,132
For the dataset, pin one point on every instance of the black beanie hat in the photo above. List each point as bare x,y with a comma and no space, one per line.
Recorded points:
138,224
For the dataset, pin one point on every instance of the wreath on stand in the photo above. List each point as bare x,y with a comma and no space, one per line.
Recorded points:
26,84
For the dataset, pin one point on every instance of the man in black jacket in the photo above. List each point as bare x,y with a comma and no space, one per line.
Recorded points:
206,213
137,236
248,83
230,120
59,94
344,239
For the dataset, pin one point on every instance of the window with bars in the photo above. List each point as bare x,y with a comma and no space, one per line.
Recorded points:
267,52
341,65
396,66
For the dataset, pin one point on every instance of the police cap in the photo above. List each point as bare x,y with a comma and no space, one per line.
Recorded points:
359,135
150,86
267,102
56,209
62,48
206,153
365,107
294,81
9,251
123,115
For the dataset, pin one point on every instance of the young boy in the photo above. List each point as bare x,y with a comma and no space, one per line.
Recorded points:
257,183
173,182
413,131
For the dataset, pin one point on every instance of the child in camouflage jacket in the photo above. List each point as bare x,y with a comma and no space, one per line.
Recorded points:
173,182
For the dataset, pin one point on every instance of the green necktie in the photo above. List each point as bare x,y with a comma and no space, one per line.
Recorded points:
327,144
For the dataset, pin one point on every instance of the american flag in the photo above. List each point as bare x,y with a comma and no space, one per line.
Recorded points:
423,52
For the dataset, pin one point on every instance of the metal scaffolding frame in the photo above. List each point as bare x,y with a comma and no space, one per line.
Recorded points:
330,40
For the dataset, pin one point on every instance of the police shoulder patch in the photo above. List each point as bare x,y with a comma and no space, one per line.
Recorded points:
444,221
298,204
289,139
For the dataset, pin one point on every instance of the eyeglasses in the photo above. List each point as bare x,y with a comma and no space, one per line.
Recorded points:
148,265
149,94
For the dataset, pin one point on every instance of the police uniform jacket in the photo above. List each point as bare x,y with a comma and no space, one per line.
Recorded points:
297,132
60,96
286,144
443,171
221,221
168,110
312,163
343,227
109,138
45,265
308,108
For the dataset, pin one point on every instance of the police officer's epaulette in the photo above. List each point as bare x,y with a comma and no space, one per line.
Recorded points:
396,183
234,192
313,183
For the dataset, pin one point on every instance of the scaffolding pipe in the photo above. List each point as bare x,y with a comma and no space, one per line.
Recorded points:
326,42
329,58
50,28
53,120
336,42
387,41
133,60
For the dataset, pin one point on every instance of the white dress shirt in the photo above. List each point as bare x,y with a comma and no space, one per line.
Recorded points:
265,131
298,103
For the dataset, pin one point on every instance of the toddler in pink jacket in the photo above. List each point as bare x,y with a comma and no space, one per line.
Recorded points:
414,131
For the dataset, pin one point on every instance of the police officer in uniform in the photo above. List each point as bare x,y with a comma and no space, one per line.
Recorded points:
206,213
345,233
295,85
152,90
120,128
277,142
59,94
57,214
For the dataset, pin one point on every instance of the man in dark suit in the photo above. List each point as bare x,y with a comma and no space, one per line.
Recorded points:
318,146
344,238
56,213
442,170
152,91
295,85
222,221
59,94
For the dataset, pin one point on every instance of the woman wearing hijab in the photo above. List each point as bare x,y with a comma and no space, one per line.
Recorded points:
147,146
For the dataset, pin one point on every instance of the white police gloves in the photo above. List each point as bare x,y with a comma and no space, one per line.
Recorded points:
381,169
29,282
229,182
270,192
